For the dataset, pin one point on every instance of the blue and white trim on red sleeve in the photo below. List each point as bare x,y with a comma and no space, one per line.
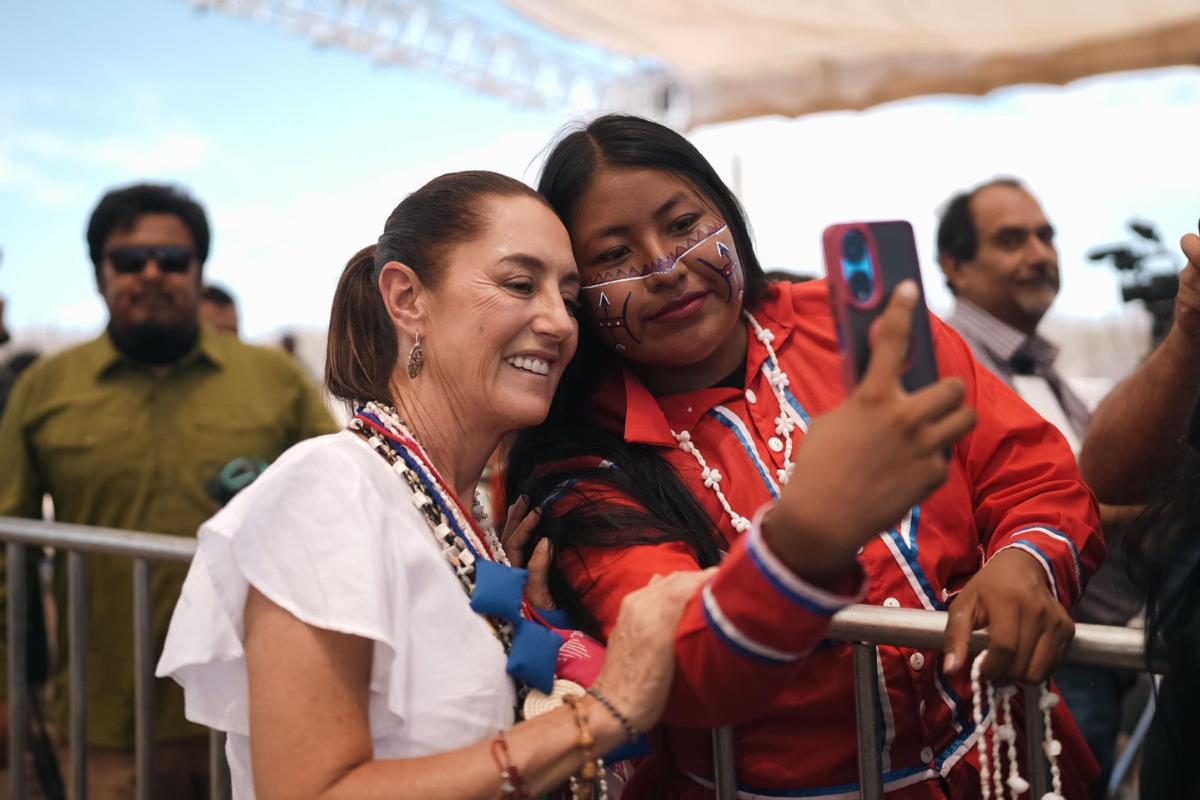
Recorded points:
1042,559
1043,543
742,607
791,586
737,640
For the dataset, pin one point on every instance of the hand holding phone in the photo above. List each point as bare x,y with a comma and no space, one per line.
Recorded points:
873,457
865,262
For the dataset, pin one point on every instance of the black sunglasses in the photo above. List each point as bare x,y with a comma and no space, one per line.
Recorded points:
132,260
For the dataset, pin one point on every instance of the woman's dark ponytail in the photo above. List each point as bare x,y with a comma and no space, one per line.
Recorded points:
362,348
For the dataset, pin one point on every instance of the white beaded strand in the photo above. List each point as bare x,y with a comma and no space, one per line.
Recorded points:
785,423
1008,739
1052,747
778,380
997,764
712,479
985,783
1004,732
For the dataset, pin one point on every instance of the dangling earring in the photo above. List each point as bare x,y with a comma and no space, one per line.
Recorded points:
416,359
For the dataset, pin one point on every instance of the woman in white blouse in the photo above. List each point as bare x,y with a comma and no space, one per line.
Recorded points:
327,623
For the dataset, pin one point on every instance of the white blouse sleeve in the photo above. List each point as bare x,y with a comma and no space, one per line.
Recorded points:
316,535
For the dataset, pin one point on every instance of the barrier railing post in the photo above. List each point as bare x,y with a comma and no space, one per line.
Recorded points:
143,680
77,644
724,764
18,681
218,767
866,712
1035,730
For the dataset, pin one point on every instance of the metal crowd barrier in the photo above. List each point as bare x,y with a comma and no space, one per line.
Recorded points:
76,541
864,627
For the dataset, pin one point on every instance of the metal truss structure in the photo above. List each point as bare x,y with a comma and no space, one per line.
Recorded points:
481,46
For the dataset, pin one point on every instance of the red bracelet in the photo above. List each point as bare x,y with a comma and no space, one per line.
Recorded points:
511,784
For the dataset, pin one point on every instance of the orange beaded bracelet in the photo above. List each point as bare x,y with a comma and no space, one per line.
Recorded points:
591,773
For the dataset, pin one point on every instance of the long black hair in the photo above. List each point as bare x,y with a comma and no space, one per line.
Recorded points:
596,462
1162,554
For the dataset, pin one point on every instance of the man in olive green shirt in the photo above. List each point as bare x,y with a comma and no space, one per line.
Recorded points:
126,431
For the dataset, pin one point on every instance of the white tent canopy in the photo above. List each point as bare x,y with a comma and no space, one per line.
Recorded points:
734,59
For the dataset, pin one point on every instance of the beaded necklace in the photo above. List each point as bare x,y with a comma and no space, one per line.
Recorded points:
463,540
785,423
467,542
496,590
1004,737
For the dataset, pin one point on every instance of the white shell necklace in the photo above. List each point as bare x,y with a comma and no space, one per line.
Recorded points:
785,423
1004,738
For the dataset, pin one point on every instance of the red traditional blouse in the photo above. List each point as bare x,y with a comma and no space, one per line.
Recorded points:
750,649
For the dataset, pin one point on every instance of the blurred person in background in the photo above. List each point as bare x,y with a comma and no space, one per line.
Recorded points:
288,344
218,309
126,431
4,335
996,249
1143,446
14,364
11,369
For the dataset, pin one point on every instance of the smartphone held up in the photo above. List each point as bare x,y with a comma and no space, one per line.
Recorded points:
865,262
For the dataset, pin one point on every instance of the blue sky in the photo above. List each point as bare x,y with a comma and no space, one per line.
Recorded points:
300,152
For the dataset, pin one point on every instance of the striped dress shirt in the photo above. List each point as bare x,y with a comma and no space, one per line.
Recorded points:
1008,353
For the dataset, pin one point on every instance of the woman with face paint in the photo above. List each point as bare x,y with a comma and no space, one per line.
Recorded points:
704,422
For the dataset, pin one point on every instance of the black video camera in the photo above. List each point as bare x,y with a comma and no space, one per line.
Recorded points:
1156,287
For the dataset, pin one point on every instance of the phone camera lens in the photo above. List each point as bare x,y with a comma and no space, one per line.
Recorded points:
854,247
860,286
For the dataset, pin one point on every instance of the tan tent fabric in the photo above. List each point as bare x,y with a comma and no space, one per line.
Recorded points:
745,58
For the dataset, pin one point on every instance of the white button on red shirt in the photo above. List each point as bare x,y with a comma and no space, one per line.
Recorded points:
917,662
776,444
891,602
926,755
751,397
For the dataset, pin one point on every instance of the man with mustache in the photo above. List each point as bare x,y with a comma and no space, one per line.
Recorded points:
127,431
996,249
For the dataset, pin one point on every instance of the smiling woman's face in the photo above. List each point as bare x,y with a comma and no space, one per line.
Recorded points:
501,327
662,281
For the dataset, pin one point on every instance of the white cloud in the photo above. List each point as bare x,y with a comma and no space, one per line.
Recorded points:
54,172
44,190
56,164
176,150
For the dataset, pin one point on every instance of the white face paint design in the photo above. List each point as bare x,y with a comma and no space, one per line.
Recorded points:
609,293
